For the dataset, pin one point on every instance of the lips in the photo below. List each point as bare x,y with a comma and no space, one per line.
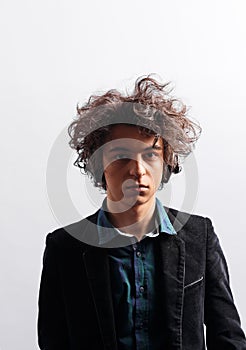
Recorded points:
138,186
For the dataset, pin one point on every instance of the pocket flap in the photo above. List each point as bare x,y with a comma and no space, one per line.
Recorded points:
193,283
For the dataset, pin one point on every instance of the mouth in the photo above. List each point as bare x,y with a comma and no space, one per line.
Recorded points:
138,187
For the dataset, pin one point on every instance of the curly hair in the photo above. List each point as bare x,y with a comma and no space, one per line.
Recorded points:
151,108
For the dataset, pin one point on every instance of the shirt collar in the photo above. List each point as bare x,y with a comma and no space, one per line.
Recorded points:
106,231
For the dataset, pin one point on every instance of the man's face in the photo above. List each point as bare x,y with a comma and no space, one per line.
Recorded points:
133,166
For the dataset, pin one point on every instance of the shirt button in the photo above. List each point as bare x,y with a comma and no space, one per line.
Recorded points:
141,289
139,254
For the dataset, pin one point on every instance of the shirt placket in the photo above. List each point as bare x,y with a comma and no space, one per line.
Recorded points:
141,310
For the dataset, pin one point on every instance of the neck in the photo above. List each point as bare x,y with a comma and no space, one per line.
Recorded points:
137,220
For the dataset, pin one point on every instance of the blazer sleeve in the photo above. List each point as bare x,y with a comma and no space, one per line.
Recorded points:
52,328
223,329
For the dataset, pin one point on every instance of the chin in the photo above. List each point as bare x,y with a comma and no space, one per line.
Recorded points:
141,201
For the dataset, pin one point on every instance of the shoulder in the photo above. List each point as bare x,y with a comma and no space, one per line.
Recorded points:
74,235
197,234
192,228
187,220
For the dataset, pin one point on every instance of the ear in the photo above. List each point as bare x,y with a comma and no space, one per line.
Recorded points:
167,171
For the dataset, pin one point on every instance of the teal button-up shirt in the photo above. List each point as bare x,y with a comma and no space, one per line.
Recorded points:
135,283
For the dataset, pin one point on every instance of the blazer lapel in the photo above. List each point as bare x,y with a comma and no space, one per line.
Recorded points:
97,268
172,250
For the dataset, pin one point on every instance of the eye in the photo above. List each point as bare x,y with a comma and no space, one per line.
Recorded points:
151,155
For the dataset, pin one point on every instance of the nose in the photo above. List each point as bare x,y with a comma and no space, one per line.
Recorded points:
136,168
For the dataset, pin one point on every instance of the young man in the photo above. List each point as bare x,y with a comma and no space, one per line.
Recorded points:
135,275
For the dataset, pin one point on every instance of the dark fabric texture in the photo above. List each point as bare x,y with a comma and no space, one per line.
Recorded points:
138,312
75,300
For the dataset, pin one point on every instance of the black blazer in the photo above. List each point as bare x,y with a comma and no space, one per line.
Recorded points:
75,302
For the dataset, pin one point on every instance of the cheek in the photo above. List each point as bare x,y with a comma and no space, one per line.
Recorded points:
156,172
110,172
157,179
112,175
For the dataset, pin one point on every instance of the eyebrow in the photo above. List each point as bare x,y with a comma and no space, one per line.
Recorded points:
120,149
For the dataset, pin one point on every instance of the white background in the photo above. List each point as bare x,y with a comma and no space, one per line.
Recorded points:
54,54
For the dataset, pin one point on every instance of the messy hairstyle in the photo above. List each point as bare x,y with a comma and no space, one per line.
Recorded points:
151,108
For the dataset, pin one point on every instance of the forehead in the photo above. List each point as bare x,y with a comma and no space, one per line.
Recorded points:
119,133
